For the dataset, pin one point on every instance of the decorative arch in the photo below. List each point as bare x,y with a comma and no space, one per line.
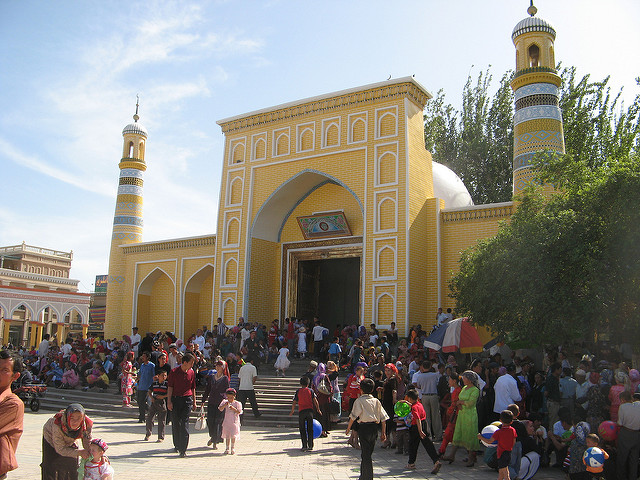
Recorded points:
68,312
282,144
386,262
276,209
229,311
306,140
232,232
534,55
332,135
27,309
387,125
197,300
387,169
358,131
260,149
147,283
238,153
54,309
230,272
234,195
386,214
385,309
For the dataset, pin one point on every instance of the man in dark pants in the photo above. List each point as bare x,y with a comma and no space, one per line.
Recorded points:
145,378
369,412
248,375
181,399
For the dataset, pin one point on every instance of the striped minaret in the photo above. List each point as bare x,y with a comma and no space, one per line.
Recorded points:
537,120
127,224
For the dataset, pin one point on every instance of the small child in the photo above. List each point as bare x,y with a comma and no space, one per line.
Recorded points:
231,423
417,433
402,434
282,362
506,438
307,401
98,467
593,440
157,394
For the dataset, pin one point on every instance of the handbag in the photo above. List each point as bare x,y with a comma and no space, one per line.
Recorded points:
200,421
334,406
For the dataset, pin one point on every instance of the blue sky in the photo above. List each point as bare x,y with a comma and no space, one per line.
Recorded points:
70,71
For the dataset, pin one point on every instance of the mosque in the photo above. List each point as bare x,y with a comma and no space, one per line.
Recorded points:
330,206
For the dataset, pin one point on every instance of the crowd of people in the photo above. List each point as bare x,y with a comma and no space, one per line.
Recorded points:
555,407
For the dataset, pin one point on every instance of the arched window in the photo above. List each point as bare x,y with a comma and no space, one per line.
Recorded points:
130,149
534,55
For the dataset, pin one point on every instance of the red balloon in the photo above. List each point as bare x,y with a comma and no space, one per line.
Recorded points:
608,431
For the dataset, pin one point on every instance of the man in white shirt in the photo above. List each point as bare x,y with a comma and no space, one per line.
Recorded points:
66,349
506,389
200,339
175,359
426,382
628,437
248,375
441,317
317,332
135,341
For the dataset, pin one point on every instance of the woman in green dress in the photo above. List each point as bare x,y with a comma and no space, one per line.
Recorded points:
466,432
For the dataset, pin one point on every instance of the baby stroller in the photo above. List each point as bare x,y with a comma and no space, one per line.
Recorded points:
29,393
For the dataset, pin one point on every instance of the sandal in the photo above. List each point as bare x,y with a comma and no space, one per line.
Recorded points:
436,467
410,466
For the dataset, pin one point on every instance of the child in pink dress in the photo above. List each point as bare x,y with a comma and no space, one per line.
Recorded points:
231,424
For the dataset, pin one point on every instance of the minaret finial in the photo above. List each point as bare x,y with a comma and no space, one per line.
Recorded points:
532,10
136,117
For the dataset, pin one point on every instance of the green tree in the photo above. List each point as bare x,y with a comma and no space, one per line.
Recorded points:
565,268
477,141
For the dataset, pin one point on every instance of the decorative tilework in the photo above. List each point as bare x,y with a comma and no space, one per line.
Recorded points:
536,89
533,100
130,172
133,206
522,160
127,220
134,237
537,112
129,190
114,279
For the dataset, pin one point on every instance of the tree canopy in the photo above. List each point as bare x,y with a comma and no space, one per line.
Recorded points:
564,268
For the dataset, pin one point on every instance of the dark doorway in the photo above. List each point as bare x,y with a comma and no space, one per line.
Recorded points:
330,290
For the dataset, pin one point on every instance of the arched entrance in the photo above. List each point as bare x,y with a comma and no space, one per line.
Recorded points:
19,328
298,275
155,300
198,301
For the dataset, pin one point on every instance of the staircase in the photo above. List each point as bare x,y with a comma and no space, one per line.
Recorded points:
274,396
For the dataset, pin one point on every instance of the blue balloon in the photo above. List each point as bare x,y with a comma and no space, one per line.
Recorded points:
317,428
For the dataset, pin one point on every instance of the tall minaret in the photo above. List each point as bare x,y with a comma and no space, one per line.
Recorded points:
537,120
127,224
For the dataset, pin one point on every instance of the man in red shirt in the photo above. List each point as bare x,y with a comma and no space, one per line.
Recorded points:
506,438
181,399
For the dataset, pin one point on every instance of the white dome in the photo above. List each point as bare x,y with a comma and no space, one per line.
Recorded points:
136,128
449,187
532,24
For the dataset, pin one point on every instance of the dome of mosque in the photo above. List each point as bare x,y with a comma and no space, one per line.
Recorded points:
135,128
532,24
449,187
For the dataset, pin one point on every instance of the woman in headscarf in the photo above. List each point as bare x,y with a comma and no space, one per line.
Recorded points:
622,384
577,447
389,398
214,393
466,430
126,384
332,373
59,449
322,388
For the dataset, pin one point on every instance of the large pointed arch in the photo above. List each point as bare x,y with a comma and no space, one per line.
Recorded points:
277,208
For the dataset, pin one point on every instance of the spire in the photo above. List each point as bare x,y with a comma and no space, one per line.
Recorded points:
136,117
532,10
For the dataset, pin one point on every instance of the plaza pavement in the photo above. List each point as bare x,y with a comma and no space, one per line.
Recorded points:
261,454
